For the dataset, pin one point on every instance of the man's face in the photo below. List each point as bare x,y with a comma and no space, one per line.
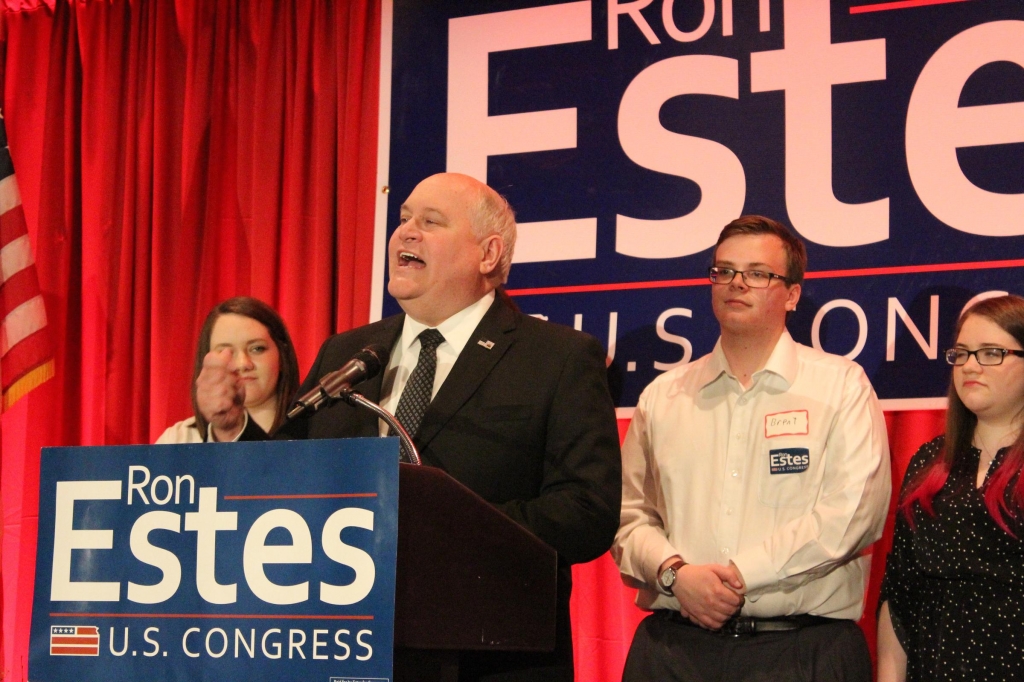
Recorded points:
438,264
738,307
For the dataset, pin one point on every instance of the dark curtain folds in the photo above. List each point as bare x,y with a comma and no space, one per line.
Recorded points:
171,155
175,154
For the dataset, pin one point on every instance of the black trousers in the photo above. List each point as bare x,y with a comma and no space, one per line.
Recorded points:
664,649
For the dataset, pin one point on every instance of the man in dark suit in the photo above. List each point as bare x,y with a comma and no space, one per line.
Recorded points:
519,409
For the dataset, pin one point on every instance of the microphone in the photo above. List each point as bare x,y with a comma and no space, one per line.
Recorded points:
364,365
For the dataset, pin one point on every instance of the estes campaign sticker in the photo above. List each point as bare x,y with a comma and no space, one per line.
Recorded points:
789,460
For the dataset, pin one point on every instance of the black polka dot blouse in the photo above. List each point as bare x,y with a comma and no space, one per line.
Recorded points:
955,584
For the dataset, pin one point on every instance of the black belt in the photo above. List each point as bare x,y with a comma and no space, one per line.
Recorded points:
746,625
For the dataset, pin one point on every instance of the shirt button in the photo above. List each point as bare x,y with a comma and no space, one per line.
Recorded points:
725,550
728,512
739,436
735,473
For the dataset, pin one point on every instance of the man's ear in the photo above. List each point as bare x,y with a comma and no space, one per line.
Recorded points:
793,298
491,248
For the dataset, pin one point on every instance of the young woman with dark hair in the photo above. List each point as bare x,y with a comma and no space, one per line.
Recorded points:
254,340
952,603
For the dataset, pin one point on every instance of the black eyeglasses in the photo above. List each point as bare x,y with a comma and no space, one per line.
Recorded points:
755,279
985,356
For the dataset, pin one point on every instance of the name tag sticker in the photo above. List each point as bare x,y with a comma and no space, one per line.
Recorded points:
789,460
786,424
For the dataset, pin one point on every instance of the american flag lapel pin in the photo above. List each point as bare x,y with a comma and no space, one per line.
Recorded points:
486,344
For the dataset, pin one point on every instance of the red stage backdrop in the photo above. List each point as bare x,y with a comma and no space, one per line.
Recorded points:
171,155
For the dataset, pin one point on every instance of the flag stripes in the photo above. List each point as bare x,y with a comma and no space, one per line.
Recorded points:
27,318
74,640
26,358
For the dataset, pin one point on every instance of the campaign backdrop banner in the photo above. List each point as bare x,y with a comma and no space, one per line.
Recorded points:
227,561
626,134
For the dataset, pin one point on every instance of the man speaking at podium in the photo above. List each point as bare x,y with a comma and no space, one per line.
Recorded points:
515,408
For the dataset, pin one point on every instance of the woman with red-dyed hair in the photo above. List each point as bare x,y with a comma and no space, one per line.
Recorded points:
952,604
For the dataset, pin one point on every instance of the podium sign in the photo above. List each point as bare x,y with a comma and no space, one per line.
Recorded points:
231,561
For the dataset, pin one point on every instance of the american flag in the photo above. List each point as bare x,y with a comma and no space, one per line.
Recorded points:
26,358
74,640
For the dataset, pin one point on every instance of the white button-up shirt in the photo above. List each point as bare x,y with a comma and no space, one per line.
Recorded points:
788,479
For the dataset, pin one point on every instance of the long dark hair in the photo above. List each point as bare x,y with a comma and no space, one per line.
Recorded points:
1008,313
288,377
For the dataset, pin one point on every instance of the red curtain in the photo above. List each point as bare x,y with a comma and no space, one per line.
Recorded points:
173,154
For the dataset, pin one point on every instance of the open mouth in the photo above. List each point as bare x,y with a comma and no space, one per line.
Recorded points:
407,259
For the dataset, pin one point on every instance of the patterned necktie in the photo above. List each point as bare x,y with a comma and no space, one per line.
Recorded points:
416,395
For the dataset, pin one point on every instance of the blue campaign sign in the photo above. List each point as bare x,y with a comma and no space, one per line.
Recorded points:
229,561
626,134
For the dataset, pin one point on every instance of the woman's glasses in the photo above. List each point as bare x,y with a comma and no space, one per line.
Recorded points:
985,356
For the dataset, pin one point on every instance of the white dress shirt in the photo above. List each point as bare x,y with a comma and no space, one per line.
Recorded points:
456,331
186,431
698,480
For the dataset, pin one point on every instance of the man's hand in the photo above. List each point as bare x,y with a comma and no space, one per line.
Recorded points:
709,594
220,395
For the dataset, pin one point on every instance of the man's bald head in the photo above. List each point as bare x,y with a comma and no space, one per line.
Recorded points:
453,244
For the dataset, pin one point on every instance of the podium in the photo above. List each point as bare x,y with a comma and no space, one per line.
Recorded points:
468,579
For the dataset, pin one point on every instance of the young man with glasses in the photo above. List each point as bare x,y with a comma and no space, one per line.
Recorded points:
754,479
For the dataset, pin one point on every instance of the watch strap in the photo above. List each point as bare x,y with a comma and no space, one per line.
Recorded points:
674,567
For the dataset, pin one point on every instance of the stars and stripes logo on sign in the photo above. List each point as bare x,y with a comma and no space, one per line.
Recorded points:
74,640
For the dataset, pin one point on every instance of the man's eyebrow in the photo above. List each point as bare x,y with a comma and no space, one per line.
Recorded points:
756,264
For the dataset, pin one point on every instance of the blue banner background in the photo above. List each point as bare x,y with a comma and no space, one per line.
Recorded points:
597,179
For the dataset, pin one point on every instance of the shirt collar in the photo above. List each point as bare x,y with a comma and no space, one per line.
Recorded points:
783,363
716,366
456,330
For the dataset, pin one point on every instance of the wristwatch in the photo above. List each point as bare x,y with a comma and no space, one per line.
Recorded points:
667,578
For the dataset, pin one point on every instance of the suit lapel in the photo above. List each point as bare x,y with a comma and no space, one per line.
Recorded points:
474,364
391,329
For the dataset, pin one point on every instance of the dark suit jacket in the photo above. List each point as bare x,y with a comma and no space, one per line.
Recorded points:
528,425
